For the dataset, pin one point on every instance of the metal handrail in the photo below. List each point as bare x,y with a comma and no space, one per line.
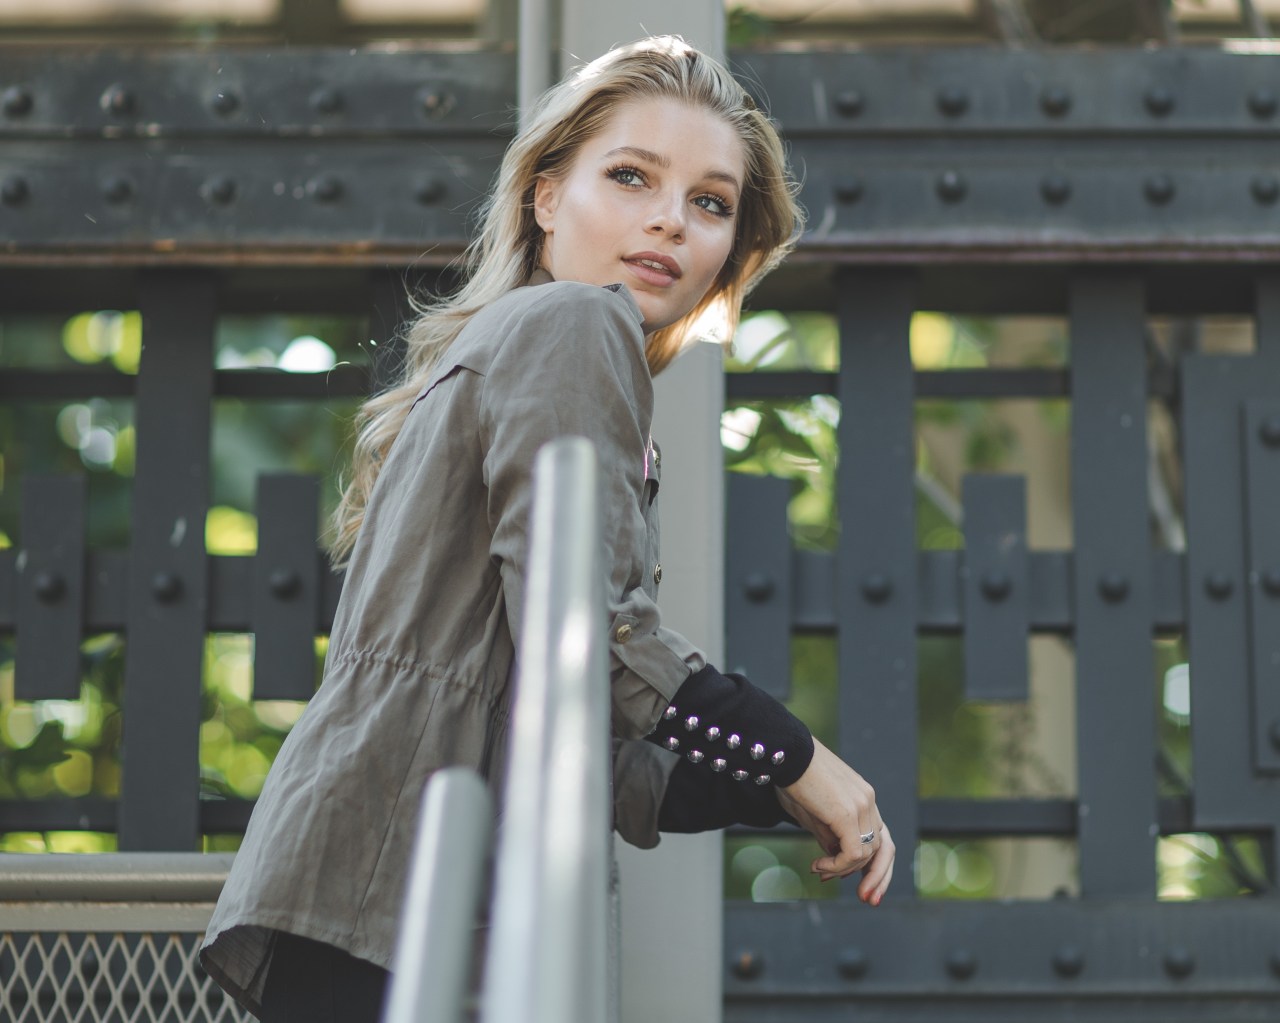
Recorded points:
547,958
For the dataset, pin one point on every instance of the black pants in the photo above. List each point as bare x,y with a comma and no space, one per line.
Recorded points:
311,982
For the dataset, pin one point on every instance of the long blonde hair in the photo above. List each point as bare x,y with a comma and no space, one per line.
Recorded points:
507,248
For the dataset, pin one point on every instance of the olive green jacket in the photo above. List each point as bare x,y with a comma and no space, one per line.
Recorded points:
420,657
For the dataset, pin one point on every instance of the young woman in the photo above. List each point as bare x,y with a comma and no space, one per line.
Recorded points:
646,191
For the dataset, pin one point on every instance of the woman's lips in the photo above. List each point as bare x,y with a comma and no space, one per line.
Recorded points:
651,272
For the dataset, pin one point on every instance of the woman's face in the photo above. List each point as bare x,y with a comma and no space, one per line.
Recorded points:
649,202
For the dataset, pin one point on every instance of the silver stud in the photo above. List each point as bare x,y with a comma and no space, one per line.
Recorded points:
669,713
719,764
734,741
740,776
691,722
757,751
713,733
778,757
762,779
672,744
695,756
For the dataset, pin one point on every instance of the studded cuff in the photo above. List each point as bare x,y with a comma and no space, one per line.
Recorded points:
726,724
698,800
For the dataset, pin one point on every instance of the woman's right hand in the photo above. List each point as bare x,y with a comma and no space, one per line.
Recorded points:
834,803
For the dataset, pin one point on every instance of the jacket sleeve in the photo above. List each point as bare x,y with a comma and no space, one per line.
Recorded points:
574,365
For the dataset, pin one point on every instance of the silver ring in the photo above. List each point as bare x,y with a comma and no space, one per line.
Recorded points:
868,838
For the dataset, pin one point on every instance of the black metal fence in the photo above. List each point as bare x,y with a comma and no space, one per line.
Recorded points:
1103,187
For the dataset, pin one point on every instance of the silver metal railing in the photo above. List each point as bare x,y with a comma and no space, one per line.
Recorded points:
548,953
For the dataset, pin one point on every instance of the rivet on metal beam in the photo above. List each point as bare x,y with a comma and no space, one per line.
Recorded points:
1113,587
1273,734
1179,962
961,964
1159,189
849,103
118,101
952,101
326,100
225,102
848,190
1269,432
1055,189
995,586
1159,100
14,190
117,189
757,587
852,963
1068,961
324,188
1055,101
429,190
284,583
435,103
166,587
1262,103
1218,585
1265,189
877,588
951,186
49,586
1271,582
218,190
17,101
747,965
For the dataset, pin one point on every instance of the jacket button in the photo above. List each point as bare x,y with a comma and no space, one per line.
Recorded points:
623,634
657,573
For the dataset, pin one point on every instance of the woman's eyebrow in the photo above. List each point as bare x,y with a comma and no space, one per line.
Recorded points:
649,156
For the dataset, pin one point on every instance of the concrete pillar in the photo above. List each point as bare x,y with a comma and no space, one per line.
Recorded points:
672,896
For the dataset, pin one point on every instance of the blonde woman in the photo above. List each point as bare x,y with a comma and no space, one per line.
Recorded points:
646,191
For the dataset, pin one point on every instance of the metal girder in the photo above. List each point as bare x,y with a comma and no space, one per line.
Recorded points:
375,154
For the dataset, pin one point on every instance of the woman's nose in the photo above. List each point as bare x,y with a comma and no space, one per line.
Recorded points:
667,216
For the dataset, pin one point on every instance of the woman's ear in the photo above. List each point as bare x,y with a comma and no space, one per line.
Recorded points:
546,197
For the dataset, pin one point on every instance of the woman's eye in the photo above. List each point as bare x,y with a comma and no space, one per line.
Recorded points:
626,176
714,204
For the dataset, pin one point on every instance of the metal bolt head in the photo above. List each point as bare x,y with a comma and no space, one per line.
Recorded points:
14,191
951,186
877,588
1055,101
1262,103
1218,585
324,188
757,587
1068,961
225,102
848,189
1055,189
747,965
1113,587
952,101
48,586
1265,189
961,964
852,963
1159,100
166,587
117,189
1179,962
849,103
435,102
1269,431
995,586
219,190
326,100
284,582
17,101
429,190
1159,189
117,101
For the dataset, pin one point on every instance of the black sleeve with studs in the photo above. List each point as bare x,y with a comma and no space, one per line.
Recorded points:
698,800
726,725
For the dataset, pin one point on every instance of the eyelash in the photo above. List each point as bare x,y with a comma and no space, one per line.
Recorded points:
617,173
